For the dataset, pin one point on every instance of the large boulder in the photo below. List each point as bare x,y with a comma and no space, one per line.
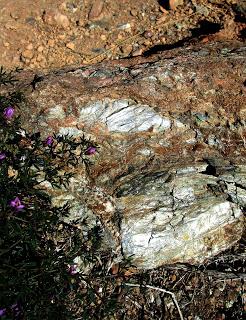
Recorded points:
168,181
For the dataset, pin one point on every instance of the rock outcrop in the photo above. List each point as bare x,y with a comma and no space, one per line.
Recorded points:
169,179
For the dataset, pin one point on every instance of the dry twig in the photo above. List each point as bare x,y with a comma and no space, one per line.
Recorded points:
162,290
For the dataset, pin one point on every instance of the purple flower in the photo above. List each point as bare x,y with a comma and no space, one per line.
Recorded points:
90,151
9,112
49,140
16,309
73,269
16,204
2,312
2,156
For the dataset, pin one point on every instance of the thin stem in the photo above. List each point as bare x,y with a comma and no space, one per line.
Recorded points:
162,290
2,253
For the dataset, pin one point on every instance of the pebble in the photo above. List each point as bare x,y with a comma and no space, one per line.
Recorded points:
163,40
27,61
51,43
30,46
62,20
70,45
148,34
39,58
126,50
147,43
6,44
174,3
152,18
54,17
27,54
137,52
134,12
96,10
124,26
40,49
69,60
62,36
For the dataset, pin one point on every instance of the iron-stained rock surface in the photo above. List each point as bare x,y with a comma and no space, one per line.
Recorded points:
169,179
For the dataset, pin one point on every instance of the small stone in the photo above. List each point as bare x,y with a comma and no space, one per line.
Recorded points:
96,9
54,17
70,45
51,43
30,46
62,36
40,49
103,37
71,7
137,52
62,20
148,34
175,3
69,60
27,54
152,17
163,40
134,12
124,26
39,58
126,50
147,43
6,44
27,61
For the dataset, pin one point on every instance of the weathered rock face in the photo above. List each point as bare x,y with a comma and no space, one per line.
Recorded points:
178,215
169,179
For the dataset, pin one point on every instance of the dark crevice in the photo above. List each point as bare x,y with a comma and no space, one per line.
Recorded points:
164,4
210,170
242,34
240,12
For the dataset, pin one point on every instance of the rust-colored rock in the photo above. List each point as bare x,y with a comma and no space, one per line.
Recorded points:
96,10
170,176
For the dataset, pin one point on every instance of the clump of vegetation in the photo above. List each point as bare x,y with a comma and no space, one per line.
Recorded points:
38,275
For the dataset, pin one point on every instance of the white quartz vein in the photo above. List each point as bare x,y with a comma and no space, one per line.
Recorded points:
123,116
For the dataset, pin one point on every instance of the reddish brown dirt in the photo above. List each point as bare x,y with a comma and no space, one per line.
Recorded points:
49,34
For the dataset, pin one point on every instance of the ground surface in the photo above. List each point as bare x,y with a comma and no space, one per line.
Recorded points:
49,34
52,33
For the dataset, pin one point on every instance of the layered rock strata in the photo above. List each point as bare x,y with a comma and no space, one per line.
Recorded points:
169,179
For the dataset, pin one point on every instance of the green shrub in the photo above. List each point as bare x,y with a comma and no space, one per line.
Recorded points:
38,277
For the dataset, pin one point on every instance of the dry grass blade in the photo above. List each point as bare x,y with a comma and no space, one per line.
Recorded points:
162,290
